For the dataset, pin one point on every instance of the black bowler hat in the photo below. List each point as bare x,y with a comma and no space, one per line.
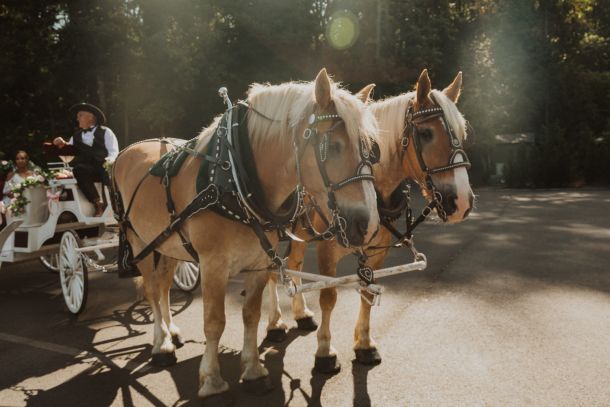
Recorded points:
87,107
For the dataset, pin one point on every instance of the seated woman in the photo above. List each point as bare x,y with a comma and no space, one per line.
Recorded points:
23,169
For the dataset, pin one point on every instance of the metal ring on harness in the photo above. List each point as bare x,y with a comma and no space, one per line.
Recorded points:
307,133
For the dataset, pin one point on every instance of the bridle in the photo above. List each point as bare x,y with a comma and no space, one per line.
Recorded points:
338,224
412,120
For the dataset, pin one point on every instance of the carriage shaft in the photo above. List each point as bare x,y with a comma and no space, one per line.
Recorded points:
322,282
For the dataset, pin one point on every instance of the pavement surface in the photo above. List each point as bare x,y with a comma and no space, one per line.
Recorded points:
514,309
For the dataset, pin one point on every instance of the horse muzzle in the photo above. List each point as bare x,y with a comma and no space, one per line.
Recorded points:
357,228
454,208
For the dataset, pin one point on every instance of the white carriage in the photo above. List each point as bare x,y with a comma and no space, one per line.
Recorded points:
59,228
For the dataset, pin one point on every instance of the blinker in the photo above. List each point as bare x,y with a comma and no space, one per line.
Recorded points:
375,153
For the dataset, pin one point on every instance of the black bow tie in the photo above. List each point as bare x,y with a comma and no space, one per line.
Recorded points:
89,129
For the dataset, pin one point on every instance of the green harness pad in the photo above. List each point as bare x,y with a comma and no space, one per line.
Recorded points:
171,162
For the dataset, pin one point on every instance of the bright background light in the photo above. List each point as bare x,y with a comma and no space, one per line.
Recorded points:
342,30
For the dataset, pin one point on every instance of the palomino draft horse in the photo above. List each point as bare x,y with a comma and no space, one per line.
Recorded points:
421,134
304,138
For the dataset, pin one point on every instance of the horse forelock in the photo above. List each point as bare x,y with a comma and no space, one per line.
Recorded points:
452,114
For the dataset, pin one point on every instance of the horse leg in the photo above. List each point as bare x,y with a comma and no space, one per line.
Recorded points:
167,279
163,348
364,345
276,328
255,376
302,314
214,279
326,356
163,352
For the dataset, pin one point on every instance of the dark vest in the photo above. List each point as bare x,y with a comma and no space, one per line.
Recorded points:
96,152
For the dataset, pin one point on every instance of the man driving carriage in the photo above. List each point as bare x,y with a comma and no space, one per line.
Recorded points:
95,144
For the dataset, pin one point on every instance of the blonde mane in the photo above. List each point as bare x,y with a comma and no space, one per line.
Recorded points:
390,114
282,108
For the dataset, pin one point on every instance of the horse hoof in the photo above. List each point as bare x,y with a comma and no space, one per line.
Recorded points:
223,399
163,359
276,335
368,356
177,341
307,324
258,387
327,364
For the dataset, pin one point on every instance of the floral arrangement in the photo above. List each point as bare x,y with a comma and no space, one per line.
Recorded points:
19,201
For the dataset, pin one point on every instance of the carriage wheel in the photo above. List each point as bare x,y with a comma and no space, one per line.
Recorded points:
51,262
187,276
72,273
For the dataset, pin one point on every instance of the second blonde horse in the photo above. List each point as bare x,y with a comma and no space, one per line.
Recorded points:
434,159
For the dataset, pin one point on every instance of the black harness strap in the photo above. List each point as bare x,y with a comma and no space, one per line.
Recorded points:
203,200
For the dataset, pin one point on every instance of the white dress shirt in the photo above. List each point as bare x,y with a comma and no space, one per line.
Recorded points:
110,141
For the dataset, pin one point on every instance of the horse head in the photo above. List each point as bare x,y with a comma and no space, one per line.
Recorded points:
326,135
432,139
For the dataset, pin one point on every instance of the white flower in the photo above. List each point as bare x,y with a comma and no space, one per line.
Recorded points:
40,178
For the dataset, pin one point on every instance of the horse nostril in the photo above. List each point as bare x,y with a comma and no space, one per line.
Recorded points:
357,225
362,225
450,203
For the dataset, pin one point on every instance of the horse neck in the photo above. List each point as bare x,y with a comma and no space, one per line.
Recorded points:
393,166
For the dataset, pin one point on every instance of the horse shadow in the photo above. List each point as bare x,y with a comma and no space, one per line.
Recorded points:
115,373
360,374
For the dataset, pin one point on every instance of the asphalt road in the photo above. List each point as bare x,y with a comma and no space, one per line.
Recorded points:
514,309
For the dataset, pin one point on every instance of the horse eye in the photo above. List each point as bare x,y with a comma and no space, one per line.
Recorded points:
426,135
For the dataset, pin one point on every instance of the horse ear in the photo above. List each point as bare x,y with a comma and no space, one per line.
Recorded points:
365,93
453,91
423,87
323,89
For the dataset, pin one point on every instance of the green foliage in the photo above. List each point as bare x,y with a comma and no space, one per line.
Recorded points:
154,66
